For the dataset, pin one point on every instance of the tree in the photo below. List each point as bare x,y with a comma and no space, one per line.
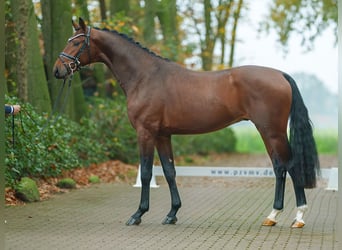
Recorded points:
26,61
211,22
208,44
236,18
308,18
167,14
102,4
2,124
149,31
82,9
57,28
119,6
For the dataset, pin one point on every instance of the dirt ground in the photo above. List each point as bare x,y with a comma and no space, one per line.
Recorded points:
116,171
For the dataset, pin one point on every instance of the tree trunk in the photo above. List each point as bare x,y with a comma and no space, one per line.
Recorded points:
207,47
30,75
149,26
57,29
20,10
236,19
119,6
224,12
3,86
103,9
167,14
2,124
10,51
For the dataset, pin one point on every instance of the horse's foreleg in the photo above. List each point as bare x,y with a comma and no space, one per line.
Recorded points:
164,149
146,147
278,204
300,202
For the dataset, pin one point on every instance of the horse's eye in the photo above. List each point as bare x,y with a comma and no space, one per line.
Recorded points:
76,43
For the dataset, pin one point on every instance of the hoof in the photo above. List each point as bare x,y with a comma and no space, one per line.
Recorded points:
297,224
269,223
133,221
170,220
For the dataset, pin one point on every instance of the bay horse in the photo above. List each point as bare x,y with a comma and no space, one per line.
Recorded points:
164,98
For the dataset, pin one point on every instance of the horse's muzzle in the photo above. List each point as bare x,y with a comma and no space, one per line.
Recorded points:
60,72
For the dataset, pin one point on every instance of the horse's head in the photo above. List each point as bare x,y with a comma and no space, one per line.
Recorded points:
76,53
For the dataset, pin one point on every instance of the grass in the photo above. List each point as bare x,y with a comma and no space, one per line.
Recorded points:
249,140
326,141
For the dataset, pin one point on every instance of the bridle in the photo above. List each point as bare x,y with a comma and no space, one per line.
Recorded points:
75,64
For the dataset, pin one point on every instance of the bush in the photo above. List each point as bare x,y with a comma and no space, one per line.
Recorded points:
27,190
94,179
44,147
249,140
67,183
115,132
220,141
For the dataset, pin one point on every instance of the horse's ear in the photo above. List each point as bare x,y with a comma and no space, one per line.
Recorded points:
82,24
75,25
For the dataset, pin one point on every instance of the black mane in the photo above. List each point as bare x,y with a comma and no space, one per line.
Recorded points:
132,41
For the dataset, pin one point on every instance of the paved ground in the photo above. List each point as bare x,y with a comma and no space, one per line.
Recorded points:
217,213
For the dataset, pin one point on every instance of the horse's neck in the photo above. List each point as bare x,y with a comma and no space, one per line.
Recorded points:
127,61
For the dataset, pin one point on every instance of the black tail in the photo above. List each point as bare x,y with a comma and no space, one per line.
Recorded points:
305,164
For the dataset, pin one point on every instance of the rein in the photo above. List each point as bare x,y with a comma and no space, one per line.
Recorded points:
71,67
54,111
63,104
13,142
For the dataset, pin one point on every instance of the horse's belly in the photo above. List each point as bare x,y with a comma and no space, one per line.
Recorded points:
201,121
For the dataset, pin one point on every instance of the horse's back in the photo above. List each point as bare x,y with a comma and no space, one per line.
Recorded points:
247,90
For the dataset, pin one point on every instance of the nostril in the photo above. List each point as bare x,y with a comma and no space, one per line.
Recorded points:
59,73
56,73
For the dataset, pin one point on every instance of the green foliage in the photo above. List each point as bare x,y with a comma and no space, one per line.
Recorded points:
94,179
307,18
66,183
114,130
27,190
326,141
46,147
249,141
220,141
119,22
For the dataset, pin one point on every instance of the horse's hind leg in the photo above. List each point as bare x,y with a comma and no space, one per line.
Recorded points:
279,151
300,201
278,204
164,148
